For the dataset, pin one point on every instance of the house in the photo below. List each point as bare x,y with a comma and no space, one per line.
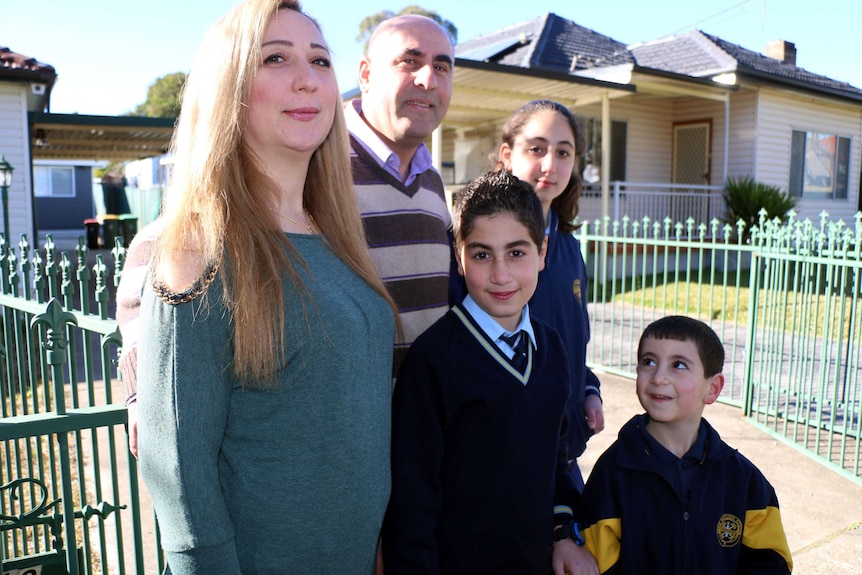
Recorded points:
25,84
63,193
669,119
54,154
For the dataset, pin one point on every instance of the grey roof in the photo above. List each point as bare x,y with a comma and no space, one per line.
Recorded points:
750,61
550,42
692,54
510,45
563,40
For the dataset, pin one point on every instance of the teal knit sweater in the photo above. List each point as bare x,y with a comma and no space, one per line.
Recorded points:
293,479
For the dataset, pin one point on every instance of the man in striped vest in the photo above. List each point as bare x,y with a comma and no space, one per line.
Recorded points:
406,82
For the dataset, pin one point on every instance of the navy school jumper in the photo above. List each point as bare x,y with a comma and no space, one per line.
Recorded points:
561,302
477,462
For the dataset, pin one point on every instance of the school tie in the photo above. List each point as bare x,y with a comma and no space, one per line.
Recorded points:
519,360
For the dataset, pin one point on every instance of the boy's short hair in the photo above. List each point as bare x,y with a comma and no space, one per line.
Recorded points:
682,328
498,193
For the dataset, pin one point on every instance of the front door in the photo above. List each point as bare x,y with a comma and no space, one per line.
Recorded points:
691,154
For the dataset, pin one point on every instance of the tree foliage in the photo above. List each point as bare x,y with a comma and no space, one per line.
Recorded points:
370,23
164,97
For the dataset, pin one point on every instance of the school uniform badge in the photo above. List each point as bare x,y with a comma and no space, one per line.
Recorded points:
729,530
576,290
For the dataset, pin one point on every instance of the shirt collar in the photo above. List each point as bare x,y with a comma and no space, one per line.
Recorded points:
696,451
387,159
493,329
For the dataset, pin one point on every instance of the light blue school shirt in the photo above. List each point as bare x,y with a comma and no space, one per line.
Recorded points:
494,330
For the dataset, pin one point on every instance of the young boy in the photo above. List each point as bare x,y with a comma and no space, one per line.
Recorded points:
669,496
477,467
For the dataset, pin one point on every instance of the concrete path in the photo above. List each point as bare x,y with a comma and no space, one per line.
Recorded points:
820,508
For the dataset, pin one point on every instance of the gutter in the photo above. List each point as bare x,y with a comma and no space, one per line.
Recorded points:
853,97
543,74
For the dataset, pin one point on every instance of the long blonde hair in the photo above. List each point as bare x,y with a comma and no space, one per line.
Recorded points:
219,196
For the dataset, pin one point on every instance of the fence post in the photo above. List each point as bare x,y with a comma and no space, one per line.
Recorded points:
55,319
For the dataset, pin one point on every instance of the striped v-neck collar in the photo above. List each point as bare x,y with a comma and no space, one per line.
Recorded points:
492,348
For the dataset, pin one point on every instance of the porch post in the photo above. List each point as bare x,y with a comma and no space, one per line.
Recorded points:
726,137
606,154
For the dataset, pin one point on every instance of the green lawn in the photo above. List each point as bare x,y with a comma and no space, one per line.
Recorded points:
794,311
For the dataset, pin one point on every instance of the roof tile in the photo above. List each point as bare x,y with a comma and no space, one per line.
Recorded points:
10,60
750,60
548,42
553,43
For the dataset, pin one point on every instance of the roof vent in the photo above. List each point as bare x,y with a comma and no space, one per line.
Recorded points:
782,50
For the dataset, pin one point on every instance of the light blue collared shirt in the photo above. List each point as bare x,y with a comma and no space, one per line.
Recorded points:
494,330
387,159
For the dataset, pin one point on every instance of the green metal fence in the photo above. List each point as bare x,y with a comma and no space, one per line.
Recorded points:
69,500
805,381
783,297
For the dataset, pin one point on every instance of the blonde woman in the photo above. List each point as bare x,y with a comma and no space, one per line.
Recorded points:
266,335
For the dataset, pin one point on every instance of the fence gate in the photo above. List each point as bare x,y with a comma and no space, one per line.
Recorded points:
69,500
805,330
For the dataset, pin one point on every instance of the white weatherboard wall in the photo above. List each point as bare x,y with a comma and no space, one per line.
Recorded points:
14,138
649,135
741,156
779,113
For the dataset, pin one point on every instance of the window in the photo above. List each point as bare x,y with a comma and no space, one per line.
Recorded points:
819,165
54,182
591,160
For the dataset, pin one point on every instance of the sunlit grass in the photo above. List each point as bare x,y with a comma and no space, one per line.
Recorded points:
724,303
791,311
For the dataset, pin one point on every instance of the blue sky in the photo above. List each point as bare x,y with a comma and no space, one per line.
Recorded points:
107,52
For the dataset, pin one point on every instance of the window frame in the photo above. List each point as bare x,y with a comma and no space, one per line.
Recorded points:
48,180
591,131
803,153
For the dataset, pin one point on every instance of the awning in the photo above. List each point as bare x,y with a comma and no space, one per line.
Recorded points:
485,93
110,138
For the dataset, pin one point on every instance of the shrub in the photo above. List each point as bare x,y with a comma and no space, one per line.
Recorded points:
745,198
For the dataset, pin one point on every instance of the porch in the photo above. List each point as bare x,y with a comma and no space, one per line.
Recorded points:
656,201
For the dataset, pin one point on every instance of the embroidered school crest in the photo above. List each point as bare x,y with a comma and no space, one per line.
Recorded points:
729,530
576,290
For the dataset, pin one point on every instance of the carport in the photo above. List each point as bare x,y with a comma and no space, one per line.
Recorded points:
111,138
71,139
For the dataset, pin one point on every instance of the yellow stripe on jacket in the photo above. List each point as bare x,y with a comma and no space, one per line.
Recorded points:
602,539
763,530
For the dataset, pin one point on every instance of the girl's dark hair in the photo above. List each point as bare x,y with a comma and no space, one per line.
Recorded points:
498,193
566,204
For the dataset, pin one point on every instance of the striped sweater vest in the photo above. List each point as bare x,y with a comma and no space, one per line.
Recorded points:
406,229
